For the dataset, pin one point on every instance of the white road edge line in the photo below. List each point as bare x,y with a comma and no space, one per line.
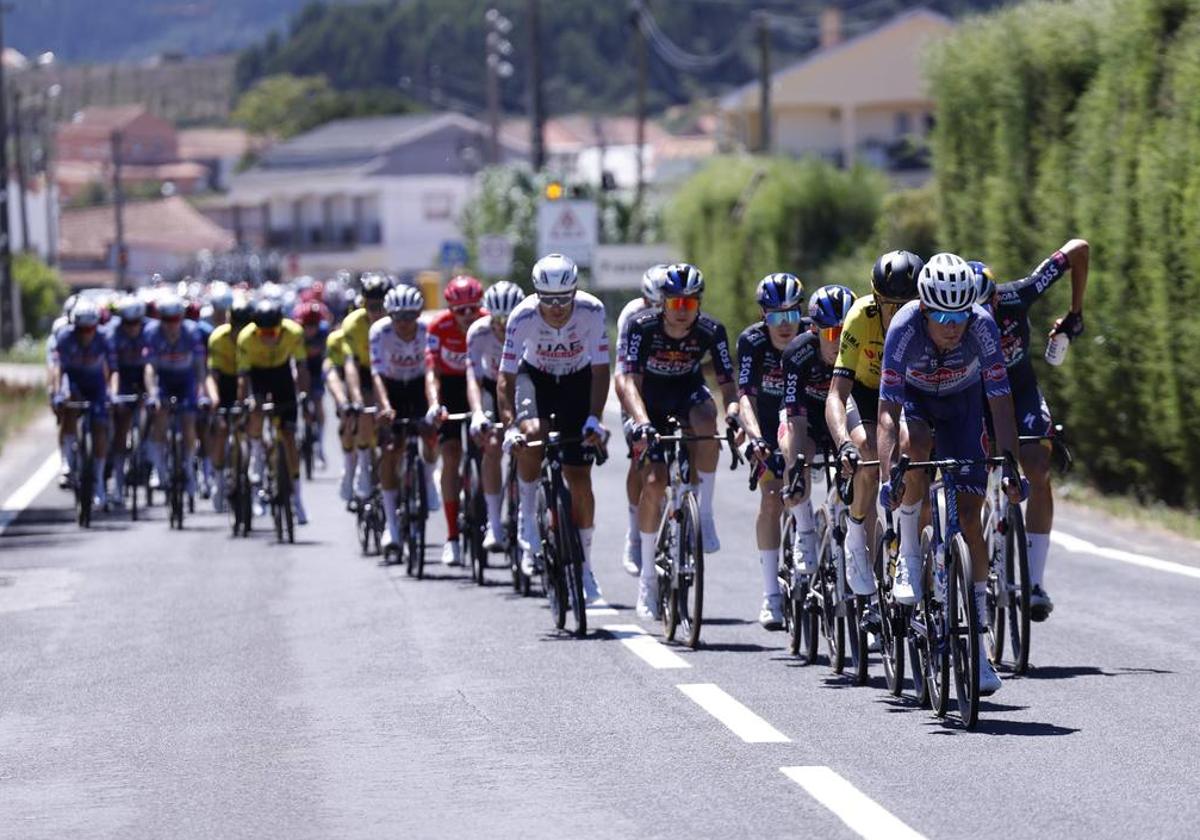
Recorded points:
740,720
861,814
24,495
645,646
1076,544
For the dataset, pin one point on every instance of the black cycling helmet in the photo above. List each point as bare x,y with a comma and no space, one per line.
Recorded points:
374,285
268,314
895,275
240,314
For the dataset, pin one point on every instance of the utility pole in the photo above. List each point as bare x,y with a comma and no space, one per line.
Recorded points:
119,207
537,115
764,81
10,301
19,151
639,45
498,68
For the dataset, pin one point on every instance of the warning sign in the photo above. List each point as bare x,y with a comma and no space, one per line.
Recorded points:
568,227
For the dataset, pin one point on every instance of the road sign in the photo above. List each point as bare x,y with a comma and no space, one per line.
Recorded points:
622,266
453,253
495,255
570,228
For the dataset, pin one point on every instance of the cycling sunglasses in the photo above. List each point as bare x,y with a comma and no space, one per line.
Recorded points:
558,301
831,333
783,316
682,304
465,309
405,316
943,317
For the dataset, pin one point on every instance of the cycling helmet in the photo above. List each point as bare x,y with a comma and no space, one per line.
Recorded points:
220,296
894,275
374,285
310,314
169,307
85,314
241,313
502,298
403,299
682,280
555,274
652,284
268,314
829,304
947,283
69,305
131,308
317,290
192,311
780,291
463,290
985,281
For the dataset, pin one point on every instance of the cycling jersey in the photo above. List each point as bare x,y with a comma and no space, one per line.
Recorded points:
658,357
581,343
913,364
1012,318
447,347
860,355
205,328
176,359
336,349
624,320
254,353
355,331
392,357
760,366
222,351
483,350
314,349
806,381
125,356
81,362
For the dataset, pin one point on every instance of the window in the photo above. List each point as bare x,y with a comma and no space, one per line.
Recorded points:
902,124
437,206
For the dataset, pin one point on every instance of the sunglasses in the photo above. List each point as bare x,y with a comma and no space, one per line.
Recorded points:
405,317
465,309
682,304
558,301
782,316
947,317
831,333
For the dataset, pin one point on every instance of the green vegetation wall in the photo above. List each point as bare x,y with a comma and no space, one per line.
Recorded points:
1083,119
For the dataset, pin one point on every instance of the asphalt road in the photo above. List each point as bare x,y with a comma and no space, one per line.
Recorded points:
161,684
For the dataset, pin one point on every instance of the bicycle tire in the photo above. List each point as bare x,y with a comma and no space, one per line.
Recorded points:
306,449
554,584
664,559
283,493
407,512
571,555
512,540
856,606
997,584
1016,561
892,630
87,477
936,646
793,623
963,627
690,588
133,467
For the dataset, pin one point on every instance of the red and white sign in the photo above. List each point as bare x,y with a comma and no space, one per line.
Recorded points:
570,228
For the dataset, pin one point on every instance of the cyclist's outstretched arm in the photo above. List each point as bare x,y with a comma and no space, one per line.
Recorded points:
432,387
634,403
600,383
730,396
474,396
150,375
835,409
749,417
303,382
1004,419
506,386
1077,252
353,383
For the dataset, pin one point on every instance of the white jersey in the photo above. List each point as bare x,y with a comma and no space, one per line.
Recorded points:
632,308
483,350
394,358
582,341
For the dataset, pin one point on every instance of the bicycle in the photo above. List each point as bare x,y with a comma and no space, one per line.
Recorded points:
472,507
801,612
522,583
84,459
176,479
413,513
943,623
308,438
135,460
240,496
1008,582
278,478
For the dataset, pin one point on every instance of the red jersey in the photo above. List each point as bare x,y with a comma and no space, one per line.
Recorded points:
446,351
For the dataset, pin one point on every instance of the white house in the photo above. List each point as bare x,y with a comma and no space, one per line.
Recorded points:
376,192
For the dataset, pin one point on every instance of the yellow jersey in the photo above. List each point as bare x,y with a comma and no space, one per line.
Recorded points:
860,356
336,350
222,351
254,353
355,332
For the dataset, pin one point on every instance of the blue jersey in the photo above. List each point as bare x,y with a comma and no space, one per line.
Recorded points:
206,329
912,361
125,350
180,358
86,363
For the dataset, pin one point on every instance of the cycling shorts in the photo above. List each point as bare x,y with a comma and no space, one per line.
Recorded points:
452,390
676,400
276,385
959,431
862,407
92,390
131,379
227,388
182,388
567,397
407,398
365,382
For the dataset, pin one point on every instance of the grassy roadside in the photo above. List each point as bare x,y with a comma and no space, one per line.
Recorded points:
18,406
25,351
1185,523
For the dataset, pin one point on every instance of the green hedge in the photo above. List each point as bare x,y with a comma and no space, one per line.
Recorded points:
1083,119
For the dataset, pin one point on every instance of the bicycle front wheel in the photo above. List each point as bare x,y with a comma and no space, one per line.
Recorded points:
689,572
962,631
1016,569
935,647
554,582
571,559
892,628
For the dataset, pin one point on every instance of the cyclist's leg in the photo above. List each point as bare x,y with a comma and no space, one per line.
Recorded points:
489,445
451,451
99,412
917,445
767,530
122,420
798,437
633,494
1033,418
392,450
158,437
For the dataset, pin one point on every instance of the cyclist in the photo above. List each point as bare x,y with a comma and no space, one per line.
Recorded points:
357,372
336,353
760,349
446,389
852,407
126,341
79,357
938,351
220,298
398,344
664,379
555,362
313,317
222,387
174,367
54,381
650,299
807,372
485,343
1010,303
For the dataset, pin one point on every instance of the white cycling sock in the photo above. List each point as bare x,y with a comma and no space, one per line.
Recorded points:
708,481
528,510
632,532
493,510
768,561
910,530
99,480
648,568
67,450
349,459
1038,546
585,537
803,515
981,605
856,536
391,498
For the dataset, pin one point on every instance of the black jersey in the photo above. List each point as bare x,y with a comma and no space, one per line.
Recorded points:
806,377
1012,317
656,356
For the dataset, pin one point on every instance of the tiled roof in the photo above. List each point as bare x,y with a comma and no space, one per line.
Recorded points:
169,224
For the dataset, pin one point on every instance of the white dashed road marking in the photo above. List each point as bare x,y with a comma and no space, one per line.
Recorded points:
858,811
645,646
740,720
1075,544
24,495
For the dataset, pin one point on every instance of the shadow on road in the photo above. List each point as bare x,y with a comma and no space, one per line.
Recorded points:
732,647
1067,672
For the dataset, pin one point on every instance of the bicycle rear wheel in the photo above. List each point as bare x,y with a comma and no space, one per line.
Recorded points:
997,583
571,559
892,628
962,631
1016,569
512,541
935,643
87,477
856,608
790,595
284,475
133,466
554,582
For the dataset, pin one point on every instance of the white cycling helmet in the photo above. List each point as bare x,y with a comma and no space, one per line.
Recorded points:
131,308
555,274
170,306
403,299
947,283
652,284
220,295
502,298
85,314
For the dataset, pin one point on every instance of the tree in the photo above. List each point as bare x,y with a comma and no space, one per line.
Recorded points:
42,292
285,105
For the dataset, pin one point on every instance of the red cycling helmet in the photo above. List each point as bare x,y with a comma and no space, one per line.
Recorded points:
310,314
317,289
192,313
463,290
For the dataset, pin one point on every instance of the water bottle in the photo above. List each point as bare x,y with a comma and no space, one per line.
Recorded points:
940,584
1056,350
